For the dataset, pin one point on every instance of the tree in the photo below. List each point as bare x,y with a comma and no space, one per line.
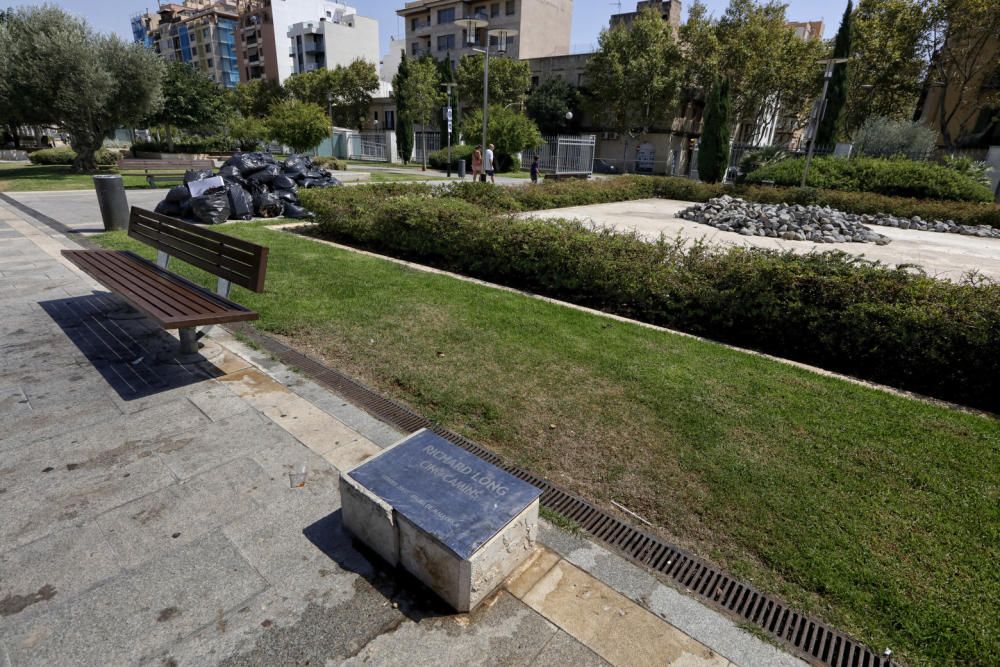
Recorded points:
315,86
634,76
962,49
404,122
699,44
510,131
56,70
836,94
887,67
549,103
713,151
422,95
247,131
509,80
771,72
255,98
190,100
353,89
301,125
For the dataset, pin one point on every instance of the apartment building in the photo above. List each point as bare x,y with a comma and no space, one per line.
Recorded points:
543,26
200,32
329,42
670,10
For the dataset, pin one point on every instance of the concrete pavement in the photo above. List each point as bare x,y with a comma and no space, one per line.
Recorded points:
943,255
147,516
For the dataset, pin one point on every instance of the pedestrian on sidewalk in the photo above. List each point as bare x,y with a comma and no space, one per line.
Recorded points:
489,166
534,170
477,162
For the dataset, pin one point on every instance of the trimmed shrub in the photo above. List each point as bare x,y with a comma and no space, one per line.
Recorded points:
899,178
65,156
330,163
828,309
439,159
883,137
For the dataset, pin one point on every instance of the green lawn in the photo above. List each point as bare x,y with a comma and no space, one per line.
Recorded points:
390,177
877,512
28,178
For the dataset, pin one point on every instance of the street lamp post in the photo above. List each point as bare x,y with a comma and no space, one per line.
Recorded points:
329,101
819,111
471,24
448,87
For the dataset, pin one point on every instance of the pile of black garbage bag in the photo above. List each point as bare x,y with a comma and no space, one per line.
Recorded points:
249,185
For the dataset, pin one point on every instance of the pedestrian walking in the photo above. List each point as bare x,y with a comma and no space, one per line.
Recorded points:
488,164
534,170
477,162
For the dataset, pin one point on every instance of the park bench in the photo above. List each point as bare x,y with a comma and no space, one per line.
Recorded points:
171,170
167,298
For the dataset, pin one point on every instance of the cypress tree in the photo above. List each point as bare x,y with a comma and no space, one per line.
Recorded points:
404,124
836,94
713,151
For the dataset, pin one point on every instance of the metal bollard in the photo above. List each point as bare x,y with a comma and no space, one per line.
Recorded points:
110,191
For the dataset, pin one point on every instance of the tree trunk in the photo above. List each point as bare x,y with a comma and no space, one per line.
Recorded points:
624,155
85,161
170,139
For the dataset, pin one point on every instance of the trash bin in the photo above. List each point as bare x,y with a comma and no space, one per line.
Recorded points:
461,169
110,191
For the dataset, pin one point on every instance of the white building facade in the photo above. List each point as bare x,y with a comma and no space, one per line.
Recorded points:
329,42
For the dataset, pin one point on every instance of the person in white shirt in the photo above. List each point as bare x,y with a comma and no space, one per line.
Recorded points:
488,165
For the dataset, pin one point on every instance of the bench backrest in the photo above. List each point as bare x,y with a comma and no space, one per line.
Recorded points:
133,164
235,260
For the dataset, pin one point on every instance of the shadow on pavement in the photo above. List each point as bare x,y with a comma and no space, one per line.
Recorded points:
415,600
131,354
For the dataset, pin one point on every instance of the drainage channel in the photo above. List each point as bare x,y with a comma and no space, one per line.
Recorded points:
808,638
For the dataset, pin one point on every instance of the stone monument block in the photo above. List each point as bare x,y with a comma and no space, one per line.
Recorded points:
457,523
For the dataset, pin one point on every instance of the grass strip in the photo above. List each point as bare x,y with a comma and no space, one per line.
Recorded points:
879,513
19,177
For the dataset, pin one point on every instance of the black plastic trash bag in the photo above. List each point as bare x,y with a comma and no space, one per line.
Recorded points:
167,207
315,173
247,163
295,211
282,182
296,163
309,183
265,175
240,203
178,194
212,208
267,204
231,174
290,196
197,174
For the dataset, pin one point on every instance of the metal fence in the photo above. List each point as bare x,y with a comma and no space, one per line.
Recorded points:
370,146
433,144
564,155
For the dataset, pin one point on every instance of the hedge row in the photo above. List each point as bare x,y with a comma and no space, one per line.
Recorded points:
104,157
439,159
895,177
827,309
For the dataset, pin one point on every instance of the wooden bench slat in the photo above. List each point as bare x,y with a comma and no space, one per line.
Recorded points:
201,233
161,295
161,289
189,252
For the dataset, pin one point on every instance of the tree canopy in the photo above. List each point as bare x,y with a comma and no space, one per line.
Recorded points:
404,121
191,100
509,130
420,92
301,125
830,125
349,90
549,103
254,98
55,70
509,80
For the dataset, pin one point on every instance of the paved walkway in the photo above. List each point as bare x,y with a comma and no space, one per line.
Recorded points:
943,255
147,517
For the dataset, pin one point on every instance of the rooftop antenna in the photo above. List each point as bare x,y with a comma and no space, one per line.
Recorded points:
618,5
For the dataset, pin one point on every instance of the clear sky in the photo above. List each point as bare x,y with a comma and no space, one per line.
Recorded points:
589,16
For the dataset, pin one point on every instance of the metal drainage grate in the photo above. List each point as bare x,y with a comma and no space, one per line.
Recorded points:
810,639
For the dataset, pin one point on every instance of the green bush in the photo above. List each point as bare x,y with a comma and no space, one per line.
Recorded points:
439,159
828,309
214,144
897,177
330,163
65,156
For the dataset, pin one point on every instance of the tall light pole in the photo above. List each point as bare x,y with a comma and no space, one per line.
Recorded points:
502,35
819,110
448,87
329,101
471,24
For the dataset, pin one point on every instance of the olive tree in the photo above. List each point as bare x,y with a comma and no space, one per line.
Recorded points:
301,125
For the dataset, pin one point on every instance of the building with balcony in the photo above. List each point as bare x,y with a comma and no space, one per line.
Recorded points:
266,49
543,26
327,43
200,32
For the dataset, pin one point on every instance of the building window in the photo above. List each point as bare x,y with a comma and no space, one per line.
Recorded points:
204,33
534,81
509,8
415,48
446,15
209,62
481,10
579,80
194,50
414,23
390,120
446,42
495,9
208,48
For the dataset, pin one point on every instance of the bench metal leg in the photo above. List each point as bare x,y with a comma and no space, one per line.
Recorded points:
189,342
